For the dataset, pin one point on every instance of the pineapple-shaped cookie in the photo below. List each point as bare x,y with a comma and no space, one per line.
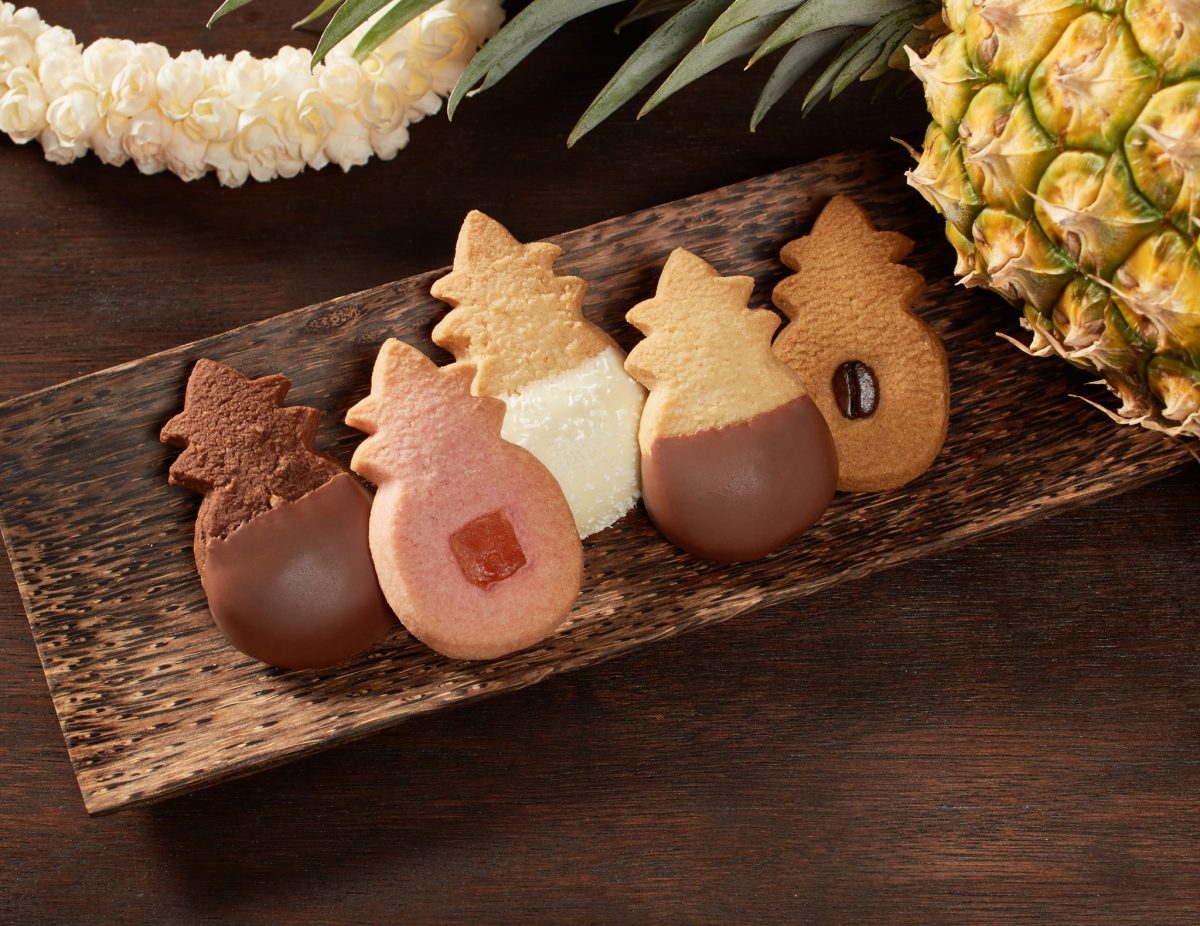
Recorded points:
474,544
877,372
736,459
281,535
568,398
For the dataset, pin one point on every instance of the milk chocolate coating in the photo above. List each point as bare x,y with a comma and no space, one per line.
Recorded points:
739,492
295,586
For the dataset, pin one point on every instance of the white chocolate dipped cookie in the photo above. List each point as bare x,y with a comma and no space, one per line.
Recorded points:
568,398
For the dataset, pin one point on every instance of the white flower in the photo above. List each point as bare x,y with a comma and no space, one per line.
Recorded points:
58,151
185,157
410,79
55,38
449,36
262,142
242,117
145,139
444,34
388,144
374,65
59,60
245,80
484,19
108,140
290,72
23,107
212,118
134,87
74,116
379,106
341,80
349,142
428,105
231,171
179,83
315,119
27,19
102,61
16,49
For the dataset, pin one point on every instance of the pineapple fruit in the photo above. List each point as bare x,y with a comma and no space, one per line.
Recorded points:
1064,151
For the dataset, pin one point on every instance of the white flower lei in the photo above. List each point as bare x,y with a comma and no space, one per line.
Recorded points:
241,117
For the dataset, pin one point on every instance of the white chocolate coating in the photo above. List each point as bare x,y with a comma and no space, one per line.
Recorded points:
583,425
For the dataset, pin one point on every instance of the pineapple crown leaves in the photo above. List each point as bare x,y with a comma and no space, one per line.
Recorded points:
228,417
408,393
349,16
842,247
696,38
705,34
695,312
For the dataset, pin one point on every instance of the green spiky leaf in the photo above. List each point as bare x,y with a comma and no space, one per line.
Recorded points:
316,13
904,35
644,9
500,71
867,50
227,7
821,85
351,15
396,18
818,15
859,54
516,40
741,12
663,49
794,64
711,55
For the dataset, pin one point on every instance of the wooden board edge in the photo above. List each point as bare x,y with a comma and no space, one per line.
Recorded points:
104,802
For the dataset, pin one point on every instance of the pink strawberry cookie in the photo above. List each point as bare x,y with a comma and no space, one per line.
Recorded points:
475,547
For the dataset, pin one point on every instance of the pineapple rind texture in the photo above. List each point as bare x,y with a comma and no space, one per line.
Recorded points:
1065,156
1163,151
1005,149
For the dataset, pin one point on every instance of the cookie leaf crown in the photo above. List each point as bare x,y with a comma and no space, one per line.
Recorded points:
233,428
706,357
413,405
831,261
512,315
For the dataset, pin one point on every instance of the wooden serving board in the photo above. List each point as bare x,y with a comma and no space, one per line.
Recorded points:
152,700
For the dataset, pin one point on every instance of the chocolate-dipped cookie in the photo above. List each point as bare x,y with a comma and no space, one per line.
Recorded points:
877,372
281,535
736,459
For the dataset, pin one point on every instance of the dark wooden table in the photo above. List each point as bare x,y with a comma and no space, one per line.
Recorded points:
1008,733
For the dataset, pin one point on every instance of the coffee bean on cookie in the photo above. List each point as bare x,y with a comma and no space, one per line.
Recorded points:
877,372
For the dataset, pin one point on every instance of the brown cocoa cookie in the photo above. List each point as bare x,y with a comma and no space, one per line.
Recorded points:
877,372
281,536
242,449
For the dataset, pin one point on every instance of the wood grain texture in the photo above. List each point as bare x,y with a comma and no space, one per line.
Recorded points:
1000,733
153,702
